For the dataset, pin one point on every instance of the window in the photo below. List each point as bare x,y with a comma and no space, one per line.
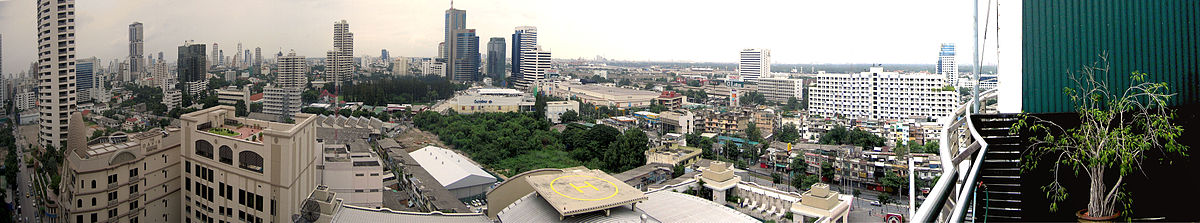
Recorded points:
133,205
133,189
112,213
94,217
226,155
112,179
187,184
358,174
93,201
258,203
79,218
133,172
93,184
241,197
112,196
374,174
204,149
187,166
250,161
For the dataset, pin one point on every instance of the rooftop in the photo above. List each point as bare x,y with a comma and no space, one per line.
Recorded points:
582,191
451,169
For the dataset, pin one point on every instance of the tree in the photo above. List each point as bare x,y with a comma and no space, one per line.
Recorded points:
775,177
753,133
793,104
625,82
677,170
827,171
568,116
1117,127
885,200
787,133
240,108
894,181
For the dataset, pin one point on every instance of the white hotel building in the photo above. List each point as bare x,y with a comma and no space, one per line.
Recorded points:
881,95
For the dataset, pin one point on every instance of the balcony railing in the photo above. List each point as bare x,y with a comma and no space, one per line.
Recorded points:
961,142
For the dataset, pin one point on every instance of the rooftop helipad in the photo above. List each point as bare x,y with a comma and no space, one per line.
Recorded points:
583,191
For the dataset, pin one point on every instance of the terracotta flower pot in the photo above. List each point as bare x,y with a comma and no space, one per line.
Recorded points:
1082,216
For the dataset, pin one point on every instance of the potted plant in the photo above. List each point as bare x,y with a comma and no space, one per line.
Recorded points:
1117,127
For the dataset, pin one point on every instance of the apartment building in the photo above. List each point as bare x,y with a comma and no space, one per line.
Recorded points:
878,94
779,90
245,170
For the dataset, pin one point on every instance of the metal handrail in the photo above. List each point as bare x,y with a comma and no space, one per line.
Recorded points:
931,208
960,209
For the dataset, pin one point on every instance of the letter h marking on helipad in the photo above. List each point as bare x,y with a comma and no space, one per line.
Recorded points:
589,184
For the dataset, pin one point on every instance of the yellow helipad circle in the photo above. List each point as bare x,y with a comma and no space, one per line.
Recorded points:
614,186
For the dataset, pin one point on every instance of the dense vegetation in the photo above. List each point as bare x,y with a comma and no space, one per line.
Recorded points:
150,96
841,136
404,89
511,143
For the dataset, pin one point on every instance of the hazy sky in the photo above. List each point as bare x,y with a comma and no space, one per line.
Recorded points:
849,31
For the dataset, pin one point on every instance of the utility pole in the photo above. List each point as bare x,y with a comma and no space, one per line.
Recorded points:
977,68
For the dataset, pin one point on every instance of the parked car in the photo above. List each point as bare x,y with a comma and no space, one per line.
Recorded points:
876,203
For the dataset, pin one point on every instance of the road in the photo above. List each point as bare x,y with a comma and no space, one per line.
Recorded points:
23,180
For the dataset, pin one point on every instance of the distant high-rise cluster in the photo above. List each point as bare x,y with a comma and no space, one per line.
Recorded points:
946,64
339,62
524,39
56,68
136,65
754,63
257,58
460,48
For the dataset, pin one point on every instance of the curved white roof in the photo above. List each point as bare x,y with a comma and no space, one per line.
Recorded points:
451,169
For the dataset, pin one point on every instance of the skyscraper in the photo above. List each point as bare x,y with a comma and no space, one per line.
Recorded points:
56,68
946,65
257,58
291,71
466,55
495,58
191,65
455,20
524,38
136,60
383,55
85,71
339,63
534,64
215,59
754,63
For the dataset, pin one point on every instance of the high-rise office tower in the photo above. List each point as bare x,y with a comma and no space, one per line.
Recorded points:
237,57
56,68
291,71
136,60
257,58
946,65
85,71
383,55
221,60
339,63
1,55
524,38
754,63
215,59
455,20
466,55
160,57
495,58
191,65
534,64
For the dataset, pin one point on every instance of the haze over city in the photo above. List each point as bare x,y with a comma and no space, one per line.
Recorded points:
892,32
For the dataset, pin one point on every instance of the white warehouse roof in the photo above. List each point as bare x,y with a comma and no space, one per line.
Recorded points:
451,169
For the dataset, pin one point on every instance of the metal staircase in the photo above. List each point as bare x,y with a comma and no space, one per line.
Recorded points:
998,193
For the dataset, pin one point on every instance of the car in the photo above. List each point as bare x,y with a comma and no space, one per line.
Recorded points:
876,203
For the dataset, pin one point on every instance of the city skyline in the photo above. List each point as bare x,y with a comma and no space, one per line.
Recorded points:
801,35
